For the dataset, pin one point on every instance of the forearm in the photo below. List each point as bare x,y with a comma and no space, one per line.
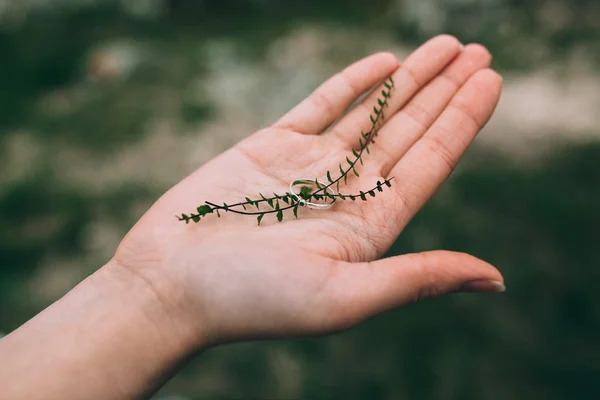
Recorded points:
111,337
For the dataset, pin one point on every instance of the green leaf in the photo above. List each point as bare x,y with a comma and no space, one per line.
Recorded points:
296,210
305,192
355,173
218,213
387,85
329,177
380,102
243,206
318,184
341,196
355,153
248,200
225,206
349,162
269,201
279,214
341,169
376,110
203,210
372,193
363,197
257,204
285,199
388,183
353,198
259,218
372,119
385,94
195,218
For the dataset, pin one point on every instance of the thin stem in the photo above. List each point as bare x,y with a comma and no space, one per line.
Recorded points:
228,209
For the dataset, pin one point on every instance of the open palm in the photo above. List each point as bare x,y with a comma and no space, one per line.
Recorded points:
316,274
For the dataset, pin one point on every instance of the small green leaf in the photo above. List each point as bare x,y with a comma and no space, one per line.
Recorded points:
225,206
372,119
285,199
387,85
380,102
257,204
379,188
195,218
372,193
329,177
204,209
355,173
349,162
341,196
341,169
361,143
355,153
376,110
305,192
318,184
296,210
269,201
243,206
363,197
385,94
259,218
388,183
353,198
218,213
248,200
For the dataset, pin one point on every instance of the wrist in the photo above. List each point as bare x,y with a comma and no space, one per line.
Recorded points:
158,303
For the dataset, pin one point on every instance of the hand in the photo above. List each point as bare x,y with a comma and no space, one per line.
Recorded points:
233,280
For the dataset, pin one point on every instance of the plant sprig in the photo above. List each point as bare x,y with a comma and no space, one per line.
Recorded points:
277,208
365,140
277,204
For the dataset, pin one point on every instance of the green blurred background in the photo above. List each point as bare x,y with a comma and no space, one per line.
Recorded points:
104,104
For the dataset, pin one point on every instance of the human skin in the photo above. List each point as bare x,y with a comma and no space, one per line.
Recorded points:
172,290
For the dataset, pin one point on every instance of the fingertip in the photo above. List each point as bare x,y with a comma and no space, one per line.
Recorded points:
489,78
479,51
387,58
448,41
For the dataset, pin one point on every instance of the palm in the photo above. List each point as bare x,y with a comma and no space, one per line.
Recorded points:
312,274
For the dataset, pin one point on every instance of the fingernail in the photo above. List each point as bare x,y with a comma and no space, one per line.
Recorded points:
482,286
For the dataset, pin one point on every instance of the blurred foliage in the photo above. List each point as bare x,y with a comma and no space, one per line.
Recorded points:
93,75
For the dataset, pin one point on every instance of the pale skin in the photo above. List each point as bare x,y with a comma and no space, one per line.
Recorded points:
172,290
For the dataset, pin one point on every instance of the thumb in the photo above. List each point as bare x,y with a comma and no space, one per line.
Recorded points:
385,284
